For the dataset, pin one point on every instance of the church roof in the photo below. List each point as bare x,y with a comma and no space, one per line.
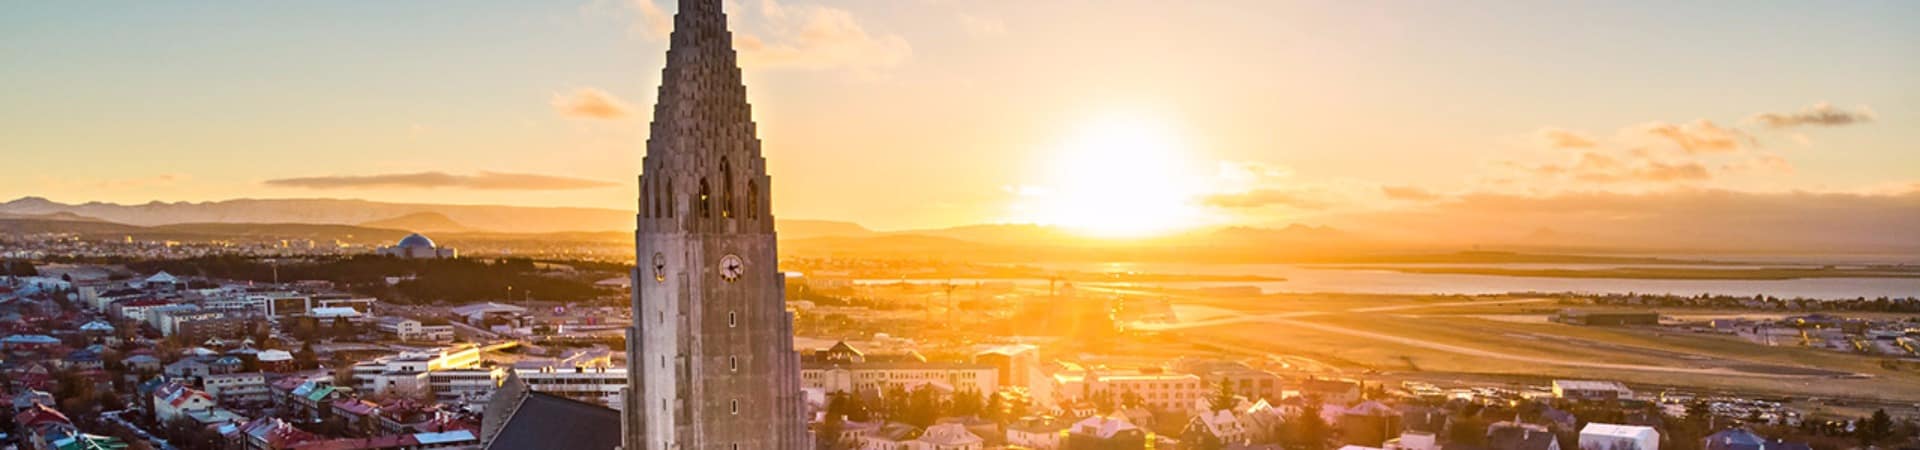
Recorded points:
415,241
545,421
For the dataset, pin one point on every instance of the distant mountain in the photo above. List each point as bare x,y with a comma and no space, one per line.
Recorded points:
419,222
806,229
510,219
57,216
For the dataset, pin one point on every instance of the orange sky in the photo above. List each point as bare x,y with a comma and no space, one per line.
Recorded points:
1120,117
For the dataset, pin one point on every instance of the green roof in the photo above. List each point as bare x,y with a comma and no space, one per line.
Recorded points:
89,442
320,393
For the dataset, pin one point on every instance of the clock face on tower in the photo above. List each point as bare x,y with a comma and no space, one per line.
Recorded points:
731,267
659,268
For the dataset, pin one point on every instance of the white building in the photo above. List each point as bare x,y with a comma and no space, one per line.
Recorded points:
589,384
845,369
237,387
1159,389
1590,390
416,246
1601,436
407,329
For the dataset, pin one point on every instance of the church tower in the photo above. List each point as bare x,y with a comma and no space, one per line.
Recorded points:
710,356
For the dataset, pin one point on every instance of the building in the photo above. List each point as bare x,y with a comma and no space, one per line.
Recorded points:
1244,380
407,329
597,385
410,372
237,388
1601,436
1014,365
1158,388
1590,390
416,246
1106,432
519,418
1520,436
845,369
1607,318
176,400
710,350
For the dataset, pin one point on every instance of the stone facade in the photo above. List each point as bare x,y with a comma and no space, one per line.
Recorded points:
711,360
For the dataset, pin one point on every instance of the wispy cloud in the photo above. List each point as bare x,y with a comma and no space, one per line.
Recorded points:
1564,138
590,103
813,37
1408,193
1820,114
422,180
1259,198
1700,136
982,27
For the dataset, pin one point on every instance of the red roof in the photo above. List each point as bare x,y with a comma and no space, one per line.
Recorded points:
39,414
381,442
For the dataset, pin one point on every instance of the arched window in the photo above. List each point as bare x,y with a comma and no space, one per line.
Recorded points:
706,209
726,189
753,199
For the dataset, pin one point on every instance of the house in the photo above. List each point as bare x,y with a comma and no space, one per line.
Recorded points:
1106,432
27,398
1741,439
142,363
947,436
1520,436
237,388
1601,436
1369,423
1037,433
1222,424
192,368
271,433
40,424
176,400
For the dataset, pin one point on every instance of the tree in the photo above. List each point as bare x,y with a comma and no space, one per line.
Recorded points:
1306,431
967,403
1223,397
923,406
1875,429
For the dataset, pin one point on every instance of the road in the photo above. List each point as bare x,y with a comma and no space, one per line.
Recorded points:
1283,317
1290,319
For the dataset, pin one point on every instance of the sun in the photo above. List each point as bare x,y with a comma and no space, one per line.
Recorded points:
1119,177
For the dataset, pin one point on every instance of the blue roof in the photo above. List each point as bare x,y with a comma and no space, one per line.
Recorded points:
415,241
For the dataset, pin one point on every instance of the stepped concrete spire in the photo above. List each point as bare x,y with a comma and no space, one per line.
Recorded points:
711,364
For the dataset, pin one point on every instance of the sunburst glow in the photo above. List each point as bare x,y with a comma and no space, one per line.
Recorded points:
1120,177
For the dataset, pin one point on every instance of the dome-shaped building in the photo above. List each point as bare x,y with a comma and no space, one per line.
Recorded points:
417,246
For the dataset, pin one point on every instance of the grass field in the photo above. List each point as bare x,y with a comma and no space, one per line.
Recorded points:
1443,337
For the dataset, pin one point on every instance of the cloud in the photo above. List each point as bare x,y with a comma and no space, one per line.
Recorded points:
1820,114
654,23
481,181
1700,136
1595,167
1408,193
1563,138
1260,198
812,37
590,103
1764,164
982,27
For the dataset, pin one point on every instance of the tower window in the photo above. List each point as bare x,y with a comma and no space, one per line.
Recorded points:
732,319
733,363
706,210
735,404
753,199
726,188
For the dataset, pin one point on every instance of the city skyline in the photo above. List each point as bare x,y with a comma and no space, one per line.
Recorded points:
983,112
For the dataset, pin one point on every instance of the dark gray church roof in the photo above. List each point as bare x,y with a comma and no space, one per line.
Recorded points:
546,421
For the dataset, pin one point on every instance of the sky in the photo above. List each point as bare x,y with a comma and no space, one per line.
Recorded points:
1119,116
